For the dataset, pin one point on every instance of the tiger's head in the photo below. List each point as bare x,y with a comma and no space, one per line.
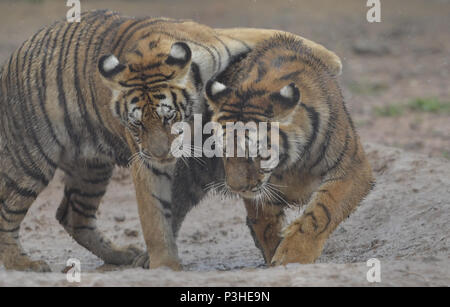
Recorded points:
151,90
279,82
249,175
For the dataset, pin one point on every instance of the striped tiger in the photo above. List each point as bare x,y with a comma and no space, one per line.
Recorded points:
321,165
84,97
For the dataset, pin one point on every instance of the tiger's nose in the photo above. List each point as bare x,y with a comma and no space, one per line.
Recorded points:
160,148
160,152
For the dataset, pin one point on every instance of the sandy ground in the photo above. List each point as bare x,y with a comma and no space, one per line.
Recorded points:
403,223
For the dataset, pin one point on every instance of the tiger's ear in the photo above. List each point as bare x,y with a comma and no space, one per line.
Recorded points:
216,93
112,71
288,96
180,55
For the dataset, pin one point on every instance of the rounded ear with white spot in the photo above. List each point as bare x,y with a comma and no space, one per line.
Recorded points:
216,92
180,55
289,95
109,66
112,71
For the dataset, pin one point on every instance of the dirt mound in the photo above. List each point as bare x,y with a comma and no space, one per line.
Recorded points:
403,223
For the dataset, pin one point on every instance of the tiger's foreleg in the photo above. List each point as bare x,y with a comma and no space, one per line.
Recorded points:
84,189
304,239
153,193
265,223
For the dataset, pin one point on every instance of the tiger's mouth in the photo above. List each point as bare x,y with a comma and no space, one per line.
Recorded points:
249,193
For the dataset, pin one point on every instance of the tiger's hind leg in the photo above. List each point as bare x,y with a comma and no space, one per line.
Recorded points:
265,224
18,190
84,189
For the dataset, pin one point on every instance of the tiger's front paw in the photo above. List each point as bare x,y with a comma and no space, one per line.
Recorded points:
171,263
297,247
143,261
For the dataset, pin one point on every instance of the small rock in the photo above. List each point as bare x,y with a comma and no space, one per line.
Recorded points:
131,233
119,218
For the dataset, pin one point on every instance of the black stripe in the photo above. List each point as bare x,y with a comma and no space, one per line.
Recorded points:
19,139
11,211
84,206
225,46
43,93
262,71
80,96
30,103
138,53
55,43
99,165
314,220
314,117
125,31
103,180
184,39
340,157
291,75
283,157
158,172
69,192
87,58
61,91
78,228
327,213
187,109
10,230
328,193
175,102
329,132
111,140
78,211
245,112
5,218
19,190
117,109
166,204
198,82
135,30
239,117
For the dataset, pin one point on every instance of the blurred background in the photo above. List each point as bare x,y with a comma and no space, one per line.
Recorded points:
396,73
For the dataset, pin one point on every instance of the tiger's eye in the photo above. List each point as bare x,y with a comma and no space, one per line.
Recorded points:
135,100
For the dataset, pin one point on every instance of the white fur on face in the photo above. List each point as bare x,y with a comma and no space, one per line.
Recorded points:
137,114
217,87
110,63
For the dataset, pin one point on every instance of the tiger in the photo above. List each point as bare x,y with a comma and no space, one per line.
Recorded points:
84,97
321,164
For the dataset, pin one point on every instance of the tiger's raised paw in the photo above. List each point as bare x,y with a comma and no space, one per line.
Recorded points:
297,247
